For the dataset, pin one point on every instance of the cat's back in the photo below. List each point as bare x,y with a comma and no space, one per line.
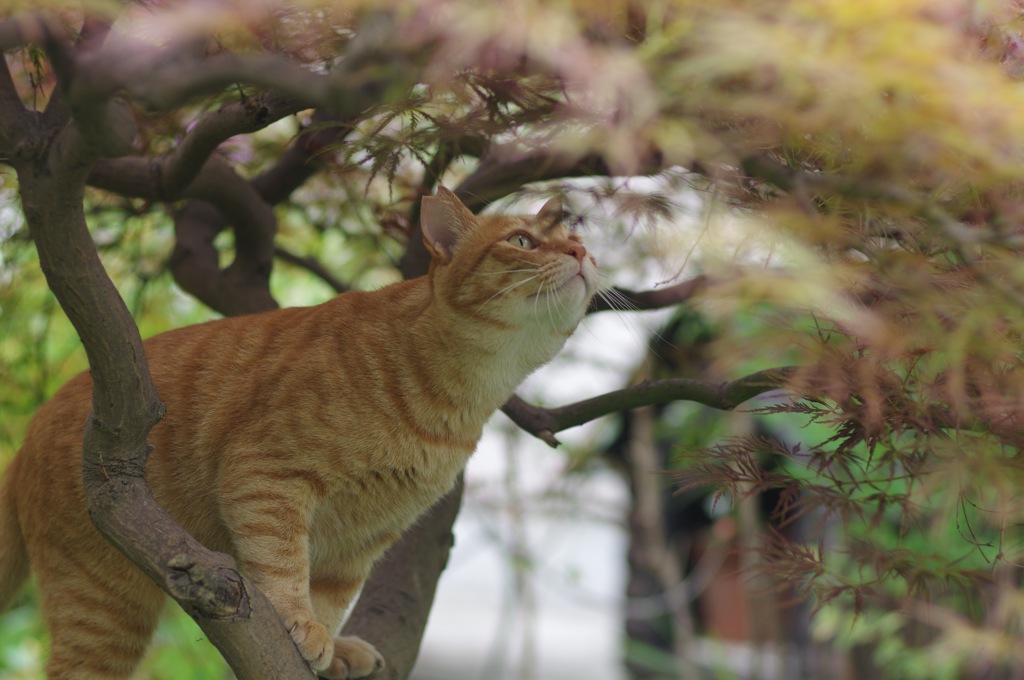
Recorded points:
242,372
228,376
236,386
292,337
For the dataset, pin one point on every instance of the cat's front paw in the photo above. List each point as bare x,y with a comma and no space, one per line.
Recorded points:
353,658
314,641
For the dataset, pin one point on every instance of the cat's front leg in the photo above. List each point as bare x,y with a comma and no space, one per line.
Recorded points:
353,658
286,585
314,641
335,658
332,594
269,525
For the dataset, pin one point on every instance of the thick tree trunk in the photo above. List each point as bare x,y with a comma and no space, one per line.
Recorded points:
232,612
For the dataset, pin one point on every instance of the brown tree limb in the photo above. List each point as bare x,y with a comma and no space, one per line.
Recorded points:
222,197
241,288
232,612
164,78
381,69
545,423
179,168
169,177
103,125
503,171
303,159
163,81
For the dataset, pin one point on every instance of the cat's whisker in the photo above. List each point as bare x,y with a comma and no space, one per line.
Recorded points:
620,303
616,300
547,300
509,288
508,271
550,302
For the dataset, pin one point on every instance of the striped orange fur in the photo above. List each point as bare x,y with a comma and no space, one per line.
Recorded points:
303,441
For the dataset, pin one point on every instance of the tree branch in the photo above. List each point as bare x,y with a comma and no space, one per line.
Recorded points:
229,199
244,286
544,423
236,617
162,79
102,125
232,612
168,177
222,197
179,168
302,160
503,170
241,288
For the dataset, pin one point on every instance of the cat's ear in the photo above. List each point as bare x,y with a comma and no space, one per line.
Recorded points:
552,212
444,220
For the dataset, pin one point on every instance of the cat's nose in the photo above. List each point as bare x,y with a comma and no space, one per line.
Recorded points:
577,250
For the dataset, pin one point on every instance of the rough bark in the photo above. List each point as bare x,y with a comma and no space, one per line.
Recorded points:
231,611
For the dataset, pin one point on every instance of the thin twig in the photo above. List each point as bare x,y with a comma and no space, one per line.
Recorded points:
313,266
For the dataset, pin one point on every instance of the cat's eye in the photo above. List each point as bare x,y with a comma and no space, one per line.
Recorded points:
521,240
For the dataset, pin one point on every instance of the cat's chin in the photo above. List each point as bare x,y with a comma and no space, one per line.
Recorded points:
569,299
577,283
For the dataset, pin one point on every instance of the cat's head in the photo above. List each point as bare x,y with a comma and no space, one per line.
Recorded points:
509,269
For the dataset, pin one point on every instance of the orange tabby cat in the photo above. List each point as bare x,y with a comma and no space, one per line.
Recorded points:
302,440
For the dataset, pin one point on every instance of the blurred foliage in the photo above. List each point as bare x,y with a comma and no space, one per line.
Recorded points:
178,649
